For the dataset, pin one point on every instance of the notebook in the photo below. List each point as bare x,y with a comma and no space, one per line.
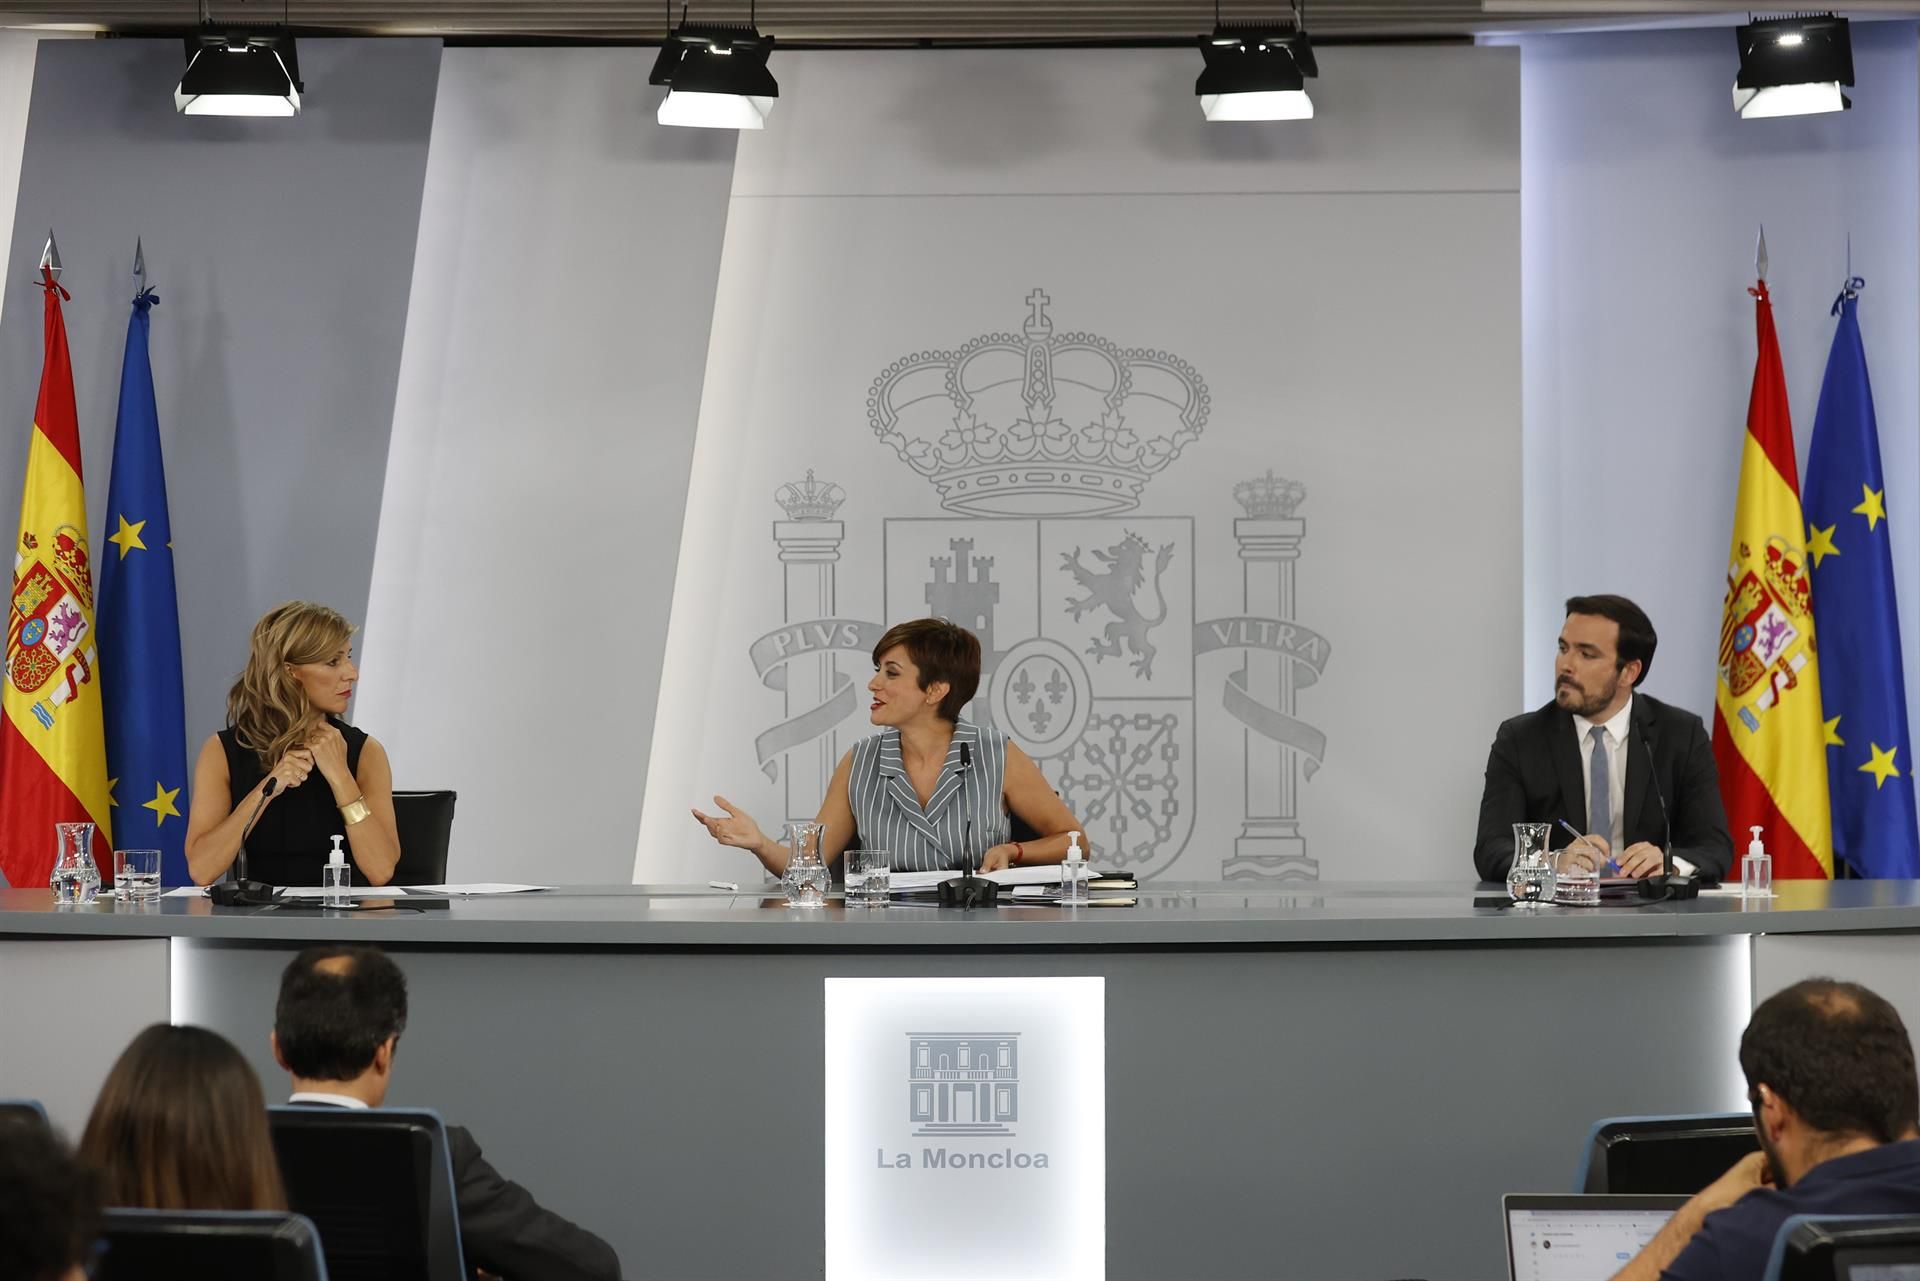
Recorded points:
1577,1237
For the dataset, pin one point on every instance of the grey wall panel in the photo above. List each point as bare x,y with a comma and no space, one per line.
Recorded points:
1262,1106
282,252
48,1054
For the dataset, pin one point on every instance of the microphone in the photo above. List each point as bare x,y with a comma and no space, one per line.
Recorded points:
241,892
970,890
1669,884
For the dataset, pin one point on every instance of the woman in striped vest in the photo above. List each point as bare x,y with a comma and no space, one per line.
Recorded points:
932,788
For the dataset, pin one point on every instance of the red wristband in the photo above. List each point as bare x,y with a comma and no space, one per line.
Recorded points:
1019,852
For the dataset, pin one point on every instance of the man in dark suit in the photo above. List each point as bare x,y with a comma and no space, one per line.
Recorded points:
1586,758
335,1029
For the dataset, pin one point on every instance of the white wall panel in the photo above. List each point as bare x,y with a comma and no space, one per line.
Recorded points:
1337,303
548,392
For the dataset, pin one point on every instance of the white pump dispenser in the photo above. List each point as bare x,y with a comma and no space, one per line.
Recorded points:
337,876
1756,869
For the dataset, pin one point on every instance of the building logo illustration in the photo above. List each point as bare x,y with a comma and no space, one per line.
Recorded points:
1041,446
963,1085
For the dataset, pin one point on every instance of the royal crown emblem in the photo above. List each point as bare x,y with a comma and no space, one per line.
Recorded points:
810,499
1037,422
1269,497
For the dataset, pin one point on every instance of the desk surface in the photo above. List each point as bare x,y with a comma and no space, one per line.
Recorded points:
1173,914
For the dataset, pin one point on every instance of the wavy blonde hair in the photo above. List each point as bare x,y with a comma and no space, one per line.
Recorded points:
267,708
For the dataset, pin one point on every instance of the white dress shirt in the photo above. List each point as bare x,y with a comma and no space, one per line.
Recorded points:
331,1100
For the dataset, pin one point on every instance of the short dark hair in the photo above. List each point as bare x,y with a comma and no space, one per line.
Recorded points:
330,1021
943,651
1838,1054
52,1201
1637,637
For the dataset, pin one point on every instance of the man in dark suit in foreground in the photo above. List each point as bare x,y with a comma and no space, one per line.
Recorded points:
335,1029
1588,756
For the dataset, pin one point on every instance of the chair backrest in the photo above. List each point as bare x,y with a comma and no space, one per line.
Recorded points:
1657,1155
23,1109
209,1245
379,1184
1846,1248
425,826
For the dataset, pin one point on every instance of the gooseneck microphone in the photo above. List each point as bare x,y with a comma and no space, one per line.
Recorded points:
1669,884
241,892
971,890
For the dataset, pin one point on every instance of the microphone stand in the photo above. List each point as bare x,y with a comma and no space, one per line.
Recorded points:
241,892
1669,884
969,891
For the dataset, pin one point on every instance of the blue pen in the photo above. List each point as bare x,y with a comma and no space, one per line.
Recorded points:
1612,866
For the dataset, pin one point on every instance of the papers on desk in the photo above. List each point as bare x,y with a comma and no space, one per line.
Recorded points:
187,891
478,887
914,882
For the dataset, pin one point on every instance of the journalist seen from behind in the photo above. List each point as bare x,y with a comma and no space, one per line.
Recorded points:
1830,1075
335,1030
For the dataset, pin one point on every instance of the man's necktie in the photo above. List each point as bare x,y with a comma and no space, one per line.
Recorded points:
1600,788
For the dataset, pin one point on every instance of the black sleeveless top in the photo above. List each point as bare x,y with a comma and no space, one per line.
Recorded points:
294,836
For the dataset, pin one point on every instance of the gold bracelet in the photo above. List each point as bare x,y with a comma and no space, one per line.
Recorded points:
355,811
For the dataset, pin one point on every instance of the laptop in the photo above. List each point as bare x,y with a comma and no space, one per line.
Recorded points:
1574,1237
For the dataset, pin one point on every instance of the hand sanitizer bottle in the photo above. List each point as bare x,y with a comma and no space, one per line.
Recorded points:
1756,869
337,878
1073,872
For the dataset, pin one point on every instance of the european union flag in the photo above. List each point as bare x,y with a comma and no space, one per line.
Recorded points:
1869,754
139,621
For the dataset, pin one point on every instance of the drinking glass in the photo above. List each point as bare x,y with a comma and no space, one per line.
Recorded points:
1577,875
869,876
1531,878
136,874
806,878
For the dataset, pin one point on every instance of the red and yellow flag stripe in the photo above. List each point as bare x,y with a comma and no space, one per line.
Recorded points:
53,760
1769,738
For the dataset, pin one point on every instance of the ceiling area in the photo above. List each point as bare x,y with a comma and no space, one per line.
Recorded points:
861,22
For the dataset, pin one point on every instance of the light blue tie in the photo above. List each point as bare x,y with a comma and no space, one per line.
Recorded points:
1599,787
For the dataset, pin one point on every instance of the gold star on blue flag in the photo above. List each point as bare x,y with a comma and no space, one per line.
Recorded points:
139,617
1861,677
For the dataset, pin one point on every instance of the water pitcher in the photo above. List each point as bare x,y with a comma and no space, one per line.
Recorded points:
1531,878
806,879
76,877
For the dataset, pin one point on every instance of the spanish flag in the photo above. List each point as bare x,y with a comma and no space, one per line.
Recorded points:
1769,735
53,757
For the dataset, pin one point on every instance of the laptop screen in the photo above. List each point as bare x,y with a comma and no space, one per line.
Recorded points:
1580,1238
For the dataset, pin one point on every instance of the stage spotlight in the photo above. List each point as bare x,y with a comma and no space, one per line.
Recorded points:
716,76
1256,71
240,72
1793,67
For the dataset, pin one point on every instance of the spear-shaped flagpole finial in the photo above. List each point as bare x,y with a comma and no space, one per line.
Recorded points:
139,265
50,256
1760,253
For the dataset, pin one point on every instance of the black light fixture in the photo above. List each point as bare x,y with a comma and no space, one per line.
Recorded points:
1793,66
716,74
239,71
1257,71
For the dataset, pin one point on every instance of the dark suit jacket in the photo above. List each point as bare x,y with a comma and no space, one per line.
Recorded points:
1534,776
504,1230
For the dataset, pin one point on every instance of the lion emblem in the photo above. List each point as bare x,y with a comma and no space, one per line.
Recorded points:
1113,588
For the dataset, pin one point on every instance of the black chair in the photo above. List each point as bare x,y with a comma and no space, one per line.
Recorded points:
1661,1155
379,1185
425,825
209,1245
1845,1247
23,1110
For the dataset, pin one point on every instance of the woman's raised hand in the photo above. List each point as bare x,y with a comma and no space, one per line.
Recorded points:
737,828
327,748
292,769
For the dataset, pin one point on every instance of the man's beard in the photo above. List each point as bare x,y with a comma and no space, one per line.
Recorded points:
1773,1156
1591,706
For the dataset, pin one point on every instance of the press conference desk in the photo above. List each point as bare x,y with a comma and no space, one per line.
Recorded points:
1331,1081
